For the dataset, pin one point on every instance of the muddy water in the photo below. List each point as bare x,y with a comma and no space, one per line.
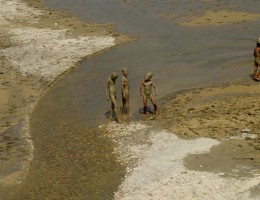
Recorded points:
74,162
180,57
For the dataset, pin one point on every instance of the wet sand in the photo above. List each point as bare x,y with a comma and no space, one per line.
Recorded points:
226,112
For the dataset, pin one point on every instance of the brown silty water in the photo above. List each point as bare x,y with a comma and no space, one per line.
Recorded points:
73,160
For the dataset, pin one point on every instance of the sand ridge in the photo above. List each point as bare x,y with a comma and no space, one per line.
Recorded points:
218,112
220,18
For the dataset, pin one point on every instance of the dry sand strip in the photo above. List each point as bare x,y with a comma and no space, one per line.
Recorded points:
196,18
220,18
37,45
156,168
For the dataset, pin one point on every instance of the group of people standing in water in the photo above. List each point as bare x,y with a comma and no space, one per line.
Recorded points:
146,84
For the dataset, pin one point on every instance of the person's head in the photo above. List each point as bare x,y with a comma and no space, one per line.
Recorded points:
258,42
125,71
114,76
148,76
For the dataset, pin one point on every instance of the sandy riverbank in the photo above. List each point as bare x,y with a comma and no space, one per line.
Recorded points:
204,144
161,166
37,46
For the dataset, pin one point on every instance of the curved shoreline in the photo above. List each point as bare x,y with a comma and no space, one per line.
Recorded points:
31,45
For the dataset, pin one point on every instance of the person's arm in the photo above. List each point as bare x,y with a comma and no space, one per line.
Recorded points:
257,53
107,90
141,88
155,89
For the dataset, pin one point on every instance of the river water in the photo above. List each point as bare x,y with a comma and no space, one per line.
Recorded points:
74,162
180,57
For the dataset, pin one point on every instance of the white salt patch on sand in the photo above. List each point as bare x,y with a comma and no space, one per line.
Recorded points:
245,136
15,10
122,130
129,149
160,172
48,53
